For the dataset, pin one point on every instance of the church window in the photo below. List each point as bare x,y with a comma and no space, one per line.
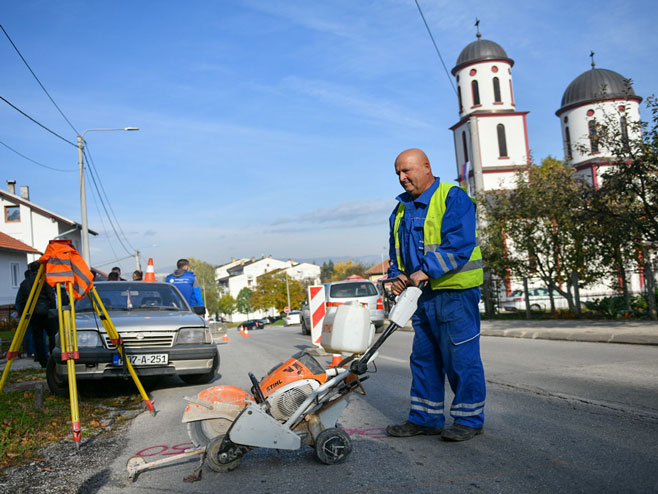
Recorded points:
502,142
465,146
623,128
459,95
496,88
593,139
567,137
476,93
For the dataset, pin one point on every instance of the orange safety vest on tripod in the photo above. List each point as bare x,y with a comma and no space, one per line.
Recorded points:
65,265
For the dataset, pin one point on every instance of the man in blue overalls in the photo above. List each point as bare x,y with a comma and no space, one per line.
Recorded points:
433,239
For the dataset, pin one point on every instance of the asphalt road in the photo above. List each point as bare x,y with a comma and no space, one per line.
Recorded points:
561,416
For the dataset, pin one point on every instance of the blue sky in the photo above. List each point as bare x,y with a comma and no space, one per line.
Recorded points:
270,127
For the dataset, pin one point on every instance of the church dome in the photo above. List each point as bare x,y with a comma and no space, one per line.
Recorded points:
478,51
596,85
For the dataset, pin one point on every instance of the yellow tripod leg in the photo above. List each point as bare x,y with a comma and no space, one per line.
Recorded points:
71,356
115,338
22,325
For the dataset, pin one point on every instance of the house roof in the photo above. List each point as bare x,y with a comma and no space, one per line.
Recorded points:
378,268
43,211
11,244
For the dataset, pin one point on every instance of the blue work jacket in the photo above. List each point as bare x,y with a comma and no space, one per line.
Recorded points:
457,233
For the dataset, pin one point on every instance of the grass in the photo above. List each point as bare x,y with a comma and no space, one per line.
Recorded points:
24,429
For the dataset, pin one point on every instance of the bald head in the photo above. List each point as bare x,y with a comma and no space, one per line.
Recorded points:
414,171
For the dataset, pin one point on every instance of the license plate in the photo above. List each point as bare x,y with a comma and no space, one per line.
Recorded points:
144,359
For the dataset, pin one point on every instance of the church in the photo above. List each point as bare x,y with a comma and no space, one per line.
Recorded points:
491,137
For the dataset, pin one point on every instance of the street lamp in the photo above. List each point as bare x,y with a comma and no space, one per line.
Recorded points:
83,198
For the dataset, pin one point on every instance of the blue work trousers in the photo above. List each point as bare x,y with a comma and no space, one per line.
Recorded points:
447,343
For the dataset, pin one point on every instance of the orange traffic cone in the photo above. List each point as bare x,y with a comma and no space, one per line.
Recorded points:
225,338
150,271
335,359
246,333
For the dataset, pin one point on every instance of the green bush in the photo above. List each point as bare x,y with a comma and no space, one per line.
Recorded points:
615,307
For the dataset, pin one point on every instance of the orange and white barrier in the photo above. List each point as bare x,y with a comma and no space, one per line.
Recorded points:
318,309
150,271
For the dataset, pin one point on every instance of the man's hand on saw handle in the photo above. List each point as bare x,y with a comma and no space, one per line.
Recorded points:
403,281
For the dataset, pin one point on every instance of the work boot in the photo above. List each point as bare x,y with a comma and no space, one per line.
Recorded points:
409,429
458,432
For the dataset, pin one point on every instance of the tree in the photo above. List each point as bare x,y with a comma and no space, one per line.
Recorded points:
205,275
629,191
326,271
271,292
243,302
227,305
537,229
343,269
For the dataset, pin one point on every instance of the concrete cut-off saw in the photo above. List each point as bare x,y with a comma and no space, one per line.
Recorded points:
297,403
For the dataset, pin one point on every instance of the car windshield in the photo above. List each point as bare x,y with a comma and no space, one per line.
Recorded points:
135,296
350,290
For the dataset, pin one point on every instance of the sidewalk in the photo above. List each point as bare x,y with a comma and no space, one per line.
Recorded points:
599,331
634,332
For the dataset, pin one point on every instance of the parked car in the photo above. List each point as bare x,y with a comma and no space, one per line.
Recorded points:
363,291
538,297
291,318
252,324
162,336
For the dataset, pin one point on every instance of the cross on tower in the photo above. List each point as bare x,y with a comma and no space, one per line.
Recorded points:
591,54
477,27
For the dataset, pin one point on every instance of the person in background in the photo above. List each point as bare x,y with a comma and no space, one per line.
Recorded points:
113,276
39,323
187,283
117,270
138,275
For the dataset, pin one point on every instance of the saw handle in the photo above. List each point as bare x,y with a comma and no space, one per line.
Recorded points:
255,389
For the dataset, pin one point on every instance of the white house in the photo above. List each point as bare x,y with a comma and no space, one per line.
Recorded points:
304,271
243,274
32,224
13,264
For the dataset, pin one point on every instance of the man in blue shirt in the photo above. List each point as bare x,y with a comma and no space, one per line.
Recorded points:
433,239
187,283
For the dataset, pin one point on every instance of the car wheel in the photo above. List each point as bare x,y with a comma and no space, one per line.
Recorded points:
203,378
57,385
536,307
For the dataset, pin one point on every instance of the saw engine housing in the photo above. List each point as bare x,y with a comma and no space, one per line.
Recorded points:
287,385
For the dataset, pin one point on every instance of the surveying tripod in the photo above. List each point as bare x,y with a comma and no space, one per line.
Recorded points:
69,342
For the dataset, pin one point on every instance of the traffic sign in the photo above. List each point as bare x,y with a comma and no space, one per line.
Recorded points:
286,309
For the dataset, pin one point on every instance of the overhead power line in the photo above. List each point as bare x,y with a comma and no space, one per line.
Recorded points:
38,123
107,199
436,47
36,162
107,214
37,79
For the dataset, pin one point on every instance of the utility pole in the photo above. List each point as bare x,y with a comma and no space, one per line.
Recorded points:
83,199
288,292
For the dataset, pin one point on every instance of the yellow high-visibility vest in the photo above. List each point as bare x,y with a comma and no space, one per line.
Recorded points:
470,274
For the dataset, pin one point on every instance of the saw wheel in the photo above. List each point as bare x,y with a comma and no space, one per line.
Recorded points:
202,432
212,456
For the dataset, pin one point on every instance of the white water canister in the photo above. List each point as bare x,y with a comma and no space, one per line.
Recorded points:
347,329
